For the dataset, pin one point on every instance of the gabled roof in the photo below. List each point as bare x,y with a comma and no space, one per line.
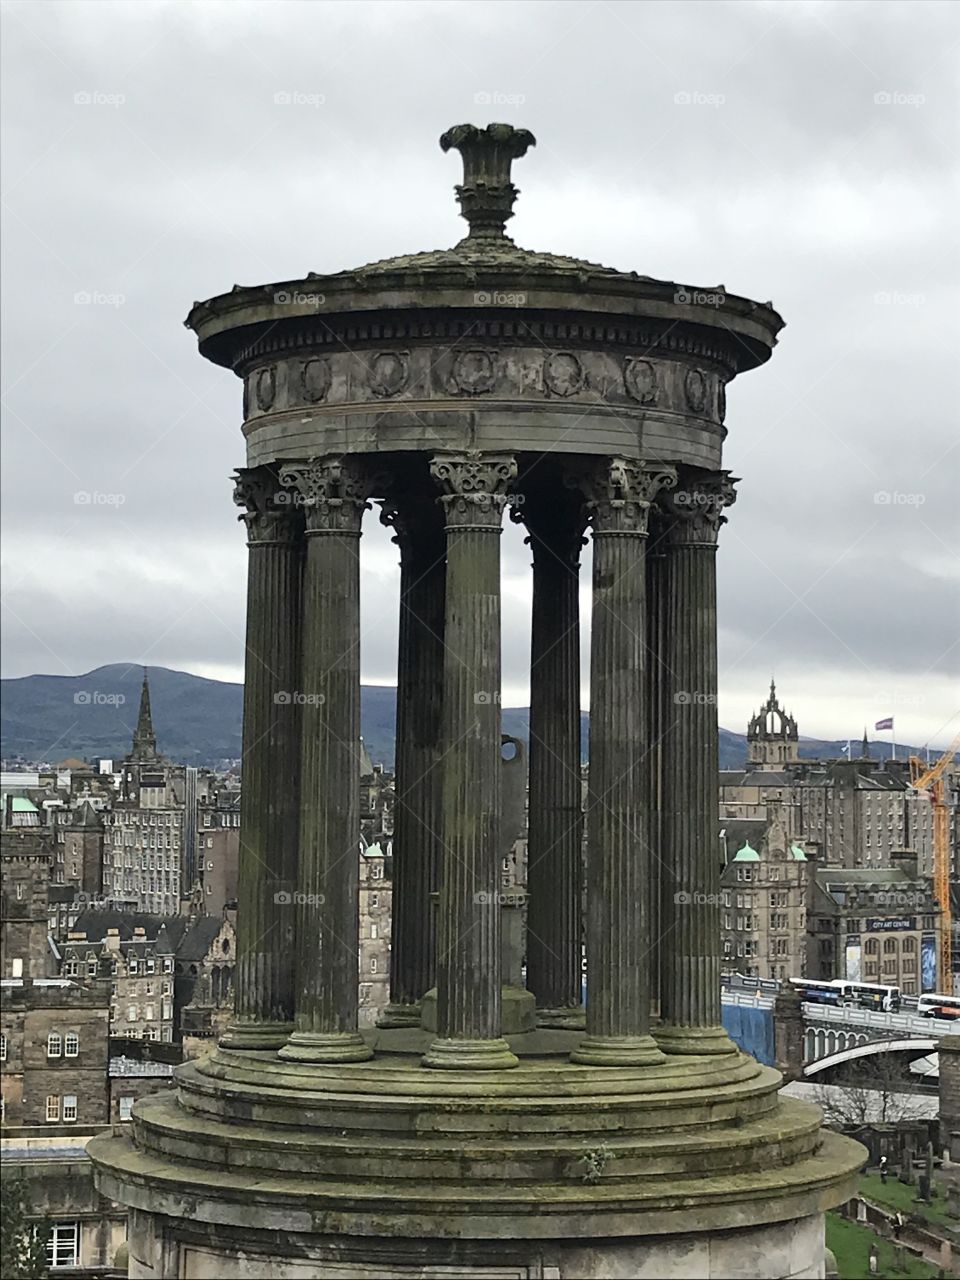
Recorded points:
197,940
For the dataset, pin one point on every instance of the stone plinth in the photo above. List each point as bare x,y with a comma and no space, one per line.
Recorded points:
693,1168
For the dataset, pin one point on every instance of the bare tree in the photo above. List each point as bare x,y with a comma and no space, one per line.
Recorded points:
870,1091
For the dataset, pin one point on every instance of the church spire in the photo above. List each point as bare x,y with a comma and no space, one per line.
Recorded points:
865,746
144,737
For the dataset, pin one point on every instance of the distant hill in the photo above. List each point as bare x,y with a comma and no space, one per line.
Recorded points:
198,721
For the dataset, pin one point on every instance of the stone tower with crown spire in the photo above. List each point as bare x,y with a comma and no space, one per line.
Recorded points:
621,1135
772,738
144,738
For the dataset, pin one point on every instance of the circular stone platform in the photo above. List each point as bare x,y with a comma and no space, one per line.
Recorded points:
386,1168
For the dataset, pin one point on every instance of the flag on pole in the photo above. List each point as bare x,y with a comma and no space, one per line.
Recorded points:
884,724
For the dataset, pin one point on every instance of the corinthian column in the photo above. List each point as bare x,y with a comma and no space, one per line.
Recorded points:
690,1017
619,940
468,944
418,816
555,813
332,496
270,811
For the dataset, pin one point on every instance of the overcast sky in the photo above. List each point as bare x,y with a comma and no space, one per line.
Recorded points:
814,163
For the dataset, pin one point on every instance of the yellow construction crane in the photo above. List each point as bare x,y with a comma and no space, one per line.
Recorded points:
930,778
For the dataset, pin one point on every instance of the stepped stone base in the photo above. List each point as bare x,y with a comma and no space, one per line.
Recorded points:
694,1167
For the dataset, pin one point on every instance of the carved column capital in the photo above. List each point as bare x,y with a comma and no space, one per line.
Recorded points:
415,520
620,493
474,487
332,491
695,507
555,529
268,514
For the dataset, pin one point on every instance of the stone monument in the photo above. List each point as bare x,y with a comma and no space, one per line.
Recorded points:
471,1135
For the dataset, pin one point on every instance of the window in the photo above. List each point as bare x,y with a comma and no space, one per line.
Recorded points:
374,900
3,1048
91,968
126,1108
148,1013
131,1013
63,1245
16,967
872,946
168,964
151,966
71,1045
889,947
69,1106
54,1044
53,1108
374,933
133,964
910,944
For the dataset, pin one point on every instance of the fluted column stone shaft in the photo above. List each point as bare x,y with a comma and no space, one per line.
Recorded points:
270,811
656,685
418,813
618,856
474,491
690,1007
555,809
333,499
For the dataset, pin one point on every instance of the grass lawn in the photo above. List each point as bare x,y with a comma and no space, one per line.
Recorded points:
894,1195
851,1243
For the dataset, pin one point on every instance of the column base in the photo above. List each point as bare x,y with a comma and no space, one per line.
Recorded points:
618,1051
401,1015
696,1040
256,1035
334,1046
563,1018
470,1055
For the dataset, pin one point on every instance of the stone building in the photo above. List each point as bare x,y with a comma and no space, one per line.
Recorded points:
878,925
489,1132
87,1231
772,737
136,953
765,887
205,962
132,1078
376,895
54,1051
26,864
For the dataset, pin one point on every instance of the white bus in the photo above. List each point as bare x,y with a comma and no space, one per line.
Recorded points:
842,991
933,1005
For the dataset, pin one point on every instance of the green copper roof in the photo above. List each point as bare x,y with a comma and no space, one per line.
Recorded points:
22,805
747,854
798,854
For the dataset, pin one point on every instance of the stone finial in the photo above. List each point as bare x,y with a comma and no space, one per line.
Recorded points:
486,195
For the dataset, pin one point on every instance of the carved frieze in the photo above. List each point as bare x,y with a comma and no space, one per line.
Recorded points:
389,373
695,390
265,387
640,380
473,372
315,379
563,374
